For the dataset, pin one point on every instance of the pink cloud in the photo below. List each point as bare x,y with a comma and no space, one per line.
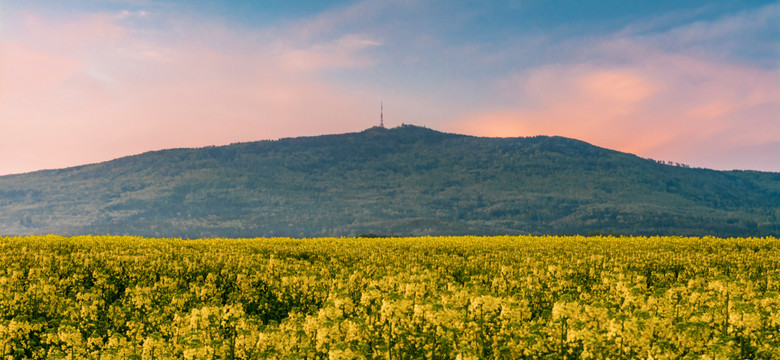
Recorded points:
89,29
24,71
619,86
660,105
101,86
90,90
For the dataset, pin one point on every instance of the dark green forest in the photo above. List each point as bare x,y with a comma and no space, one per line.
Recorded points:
407,180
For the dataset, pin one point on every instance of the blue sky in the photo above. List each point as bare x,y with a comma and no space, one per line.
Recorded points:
693,82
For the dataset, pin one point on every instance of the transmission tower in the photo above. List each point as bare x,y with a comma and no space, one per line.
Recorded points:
381,115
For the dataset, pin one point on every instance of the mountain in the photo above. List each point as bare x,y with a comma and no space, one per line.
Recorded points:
407,180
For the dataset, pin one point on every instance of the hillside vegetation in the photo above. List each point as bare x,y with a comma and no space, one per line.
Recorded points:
402,181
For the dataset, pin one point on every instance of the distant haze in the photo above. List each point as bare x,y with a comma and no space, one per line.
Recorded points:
87,81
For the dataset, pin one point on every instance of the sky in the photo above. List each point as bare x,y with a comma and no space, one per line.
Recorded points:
693,82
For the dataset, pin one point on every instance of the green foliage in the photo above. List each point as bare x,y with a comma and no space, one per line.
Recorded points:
100,297
405,181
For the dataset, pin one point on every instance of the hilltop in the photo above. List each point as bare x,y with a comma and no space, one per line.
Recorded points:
407,180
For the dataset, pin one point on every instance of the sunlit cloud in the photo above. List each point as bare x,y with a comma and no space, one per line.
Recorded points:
644,99
341,53
106,90
129,14
659,108
93,85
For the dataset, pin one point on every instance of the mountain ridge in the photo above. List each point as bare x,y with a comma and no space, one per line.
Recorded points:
407,180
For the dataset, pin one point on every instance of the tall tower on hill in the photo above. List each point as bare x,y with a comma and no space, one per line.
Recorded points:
381,115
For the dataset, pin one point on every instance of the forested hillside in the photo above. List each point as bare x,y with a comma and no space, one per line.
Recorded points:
402,181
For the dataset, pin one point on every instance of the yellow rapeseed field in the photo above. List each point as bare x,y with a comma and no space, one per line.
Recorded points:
511,297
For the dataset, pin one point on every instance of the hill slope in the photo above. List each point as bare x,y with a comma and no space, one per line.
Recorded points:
407,180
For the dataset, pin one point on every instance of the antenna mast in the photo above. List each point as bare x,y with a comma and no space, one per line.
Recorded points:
381,115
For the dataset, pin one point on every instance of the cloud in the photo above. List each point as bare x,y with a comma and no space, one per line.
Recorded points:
632,94
344,52
88,87
71,36
130,14
356,42
95,87
666,107
741,35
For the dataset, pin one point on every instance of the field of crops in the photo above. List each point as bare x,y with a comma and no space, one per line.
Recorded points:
390,298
